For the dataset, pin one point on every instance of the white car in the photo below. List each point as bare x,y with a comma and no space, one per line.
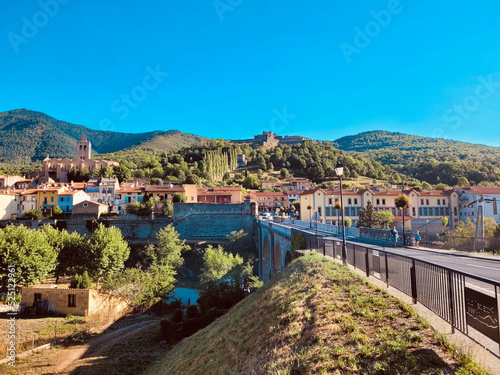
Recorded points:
267,216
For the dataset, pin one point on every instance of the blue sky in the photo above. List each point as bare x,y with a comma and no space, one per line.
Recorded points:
233,68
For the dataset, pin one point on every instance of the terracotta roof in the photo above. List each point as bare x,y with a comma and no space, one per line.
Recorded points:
166,188
139,189
484,190
29,191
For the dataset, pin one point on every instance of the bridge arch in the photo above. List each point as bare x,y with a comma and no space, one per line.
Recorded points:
288,258
266,257
277,264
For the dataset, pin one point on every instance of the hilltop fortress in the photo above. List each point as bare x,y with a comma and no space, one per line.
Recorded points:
269,140
57,169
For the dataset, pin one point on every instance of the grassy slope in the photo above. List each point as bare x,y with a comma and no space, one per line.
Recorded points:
316,317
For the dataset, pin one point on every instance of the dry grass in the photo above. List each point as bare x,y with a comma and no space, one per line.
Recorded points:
314,318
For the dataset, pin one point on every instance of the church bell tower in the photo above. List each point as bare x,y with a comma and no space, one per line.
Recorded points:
83,149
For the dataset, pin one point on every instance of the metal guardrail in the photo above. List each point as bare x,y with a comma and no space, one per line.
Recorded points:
349,231
469,303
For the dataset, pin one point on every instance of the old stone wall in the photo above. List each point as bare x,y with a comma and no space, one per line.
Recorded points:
205,221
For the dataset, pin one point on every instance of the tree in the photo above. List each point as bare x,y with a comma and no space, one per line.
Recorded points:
217,263
444,221
29,251
368,217
285,174
386,218
167,208
169,248
347,221
33,214
56,211
142,287
81,281
250,182
463,181
105,251
178,198
122,173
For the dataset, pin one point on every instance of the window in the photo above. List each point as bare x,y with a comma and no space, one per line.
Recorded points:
413,212
71,300
421,202
330,201
355,201
52,199
439,202
455,211
383,202
349,201
319,211
427,202
378,202
495,209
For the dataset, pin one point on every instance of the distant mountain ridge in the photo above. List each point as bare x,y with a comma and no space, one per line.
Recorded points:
29,136
379,139
428,159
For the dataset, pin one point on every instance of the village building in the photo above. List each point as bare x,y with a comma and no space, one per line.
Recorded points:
9,181
220,194
89,209
58,169
68,301
269,201
470,200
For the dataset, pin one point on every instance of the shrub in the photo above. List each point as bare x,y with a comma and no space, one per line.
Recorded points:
192,312
177,316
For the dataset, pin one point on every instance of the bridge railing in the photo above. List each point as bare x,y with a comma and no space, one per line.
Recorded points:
349,231
469,303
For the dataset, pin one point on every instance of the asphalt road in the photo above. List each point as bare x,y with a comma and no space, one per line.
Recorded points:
478,264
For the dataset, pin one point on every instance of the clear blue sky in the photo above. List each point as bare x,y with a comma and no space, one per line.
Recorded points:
233,68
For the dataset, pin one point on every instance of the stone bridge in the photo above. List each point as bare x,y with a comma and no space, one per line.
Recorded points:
276,244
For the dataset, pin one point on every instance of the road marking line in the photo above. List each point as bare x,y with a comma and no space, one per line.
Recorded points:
490,268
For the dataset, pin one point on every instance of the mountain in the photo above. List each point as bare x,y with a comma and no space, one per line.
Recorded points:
29,136
379,139
430,159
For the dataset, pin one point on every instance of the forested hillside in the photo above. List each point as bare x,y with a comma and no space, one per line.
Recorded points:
29,136
429,159
210,161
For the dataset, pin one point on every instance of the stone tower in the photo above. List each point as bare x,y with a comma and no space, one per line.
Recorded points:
83,149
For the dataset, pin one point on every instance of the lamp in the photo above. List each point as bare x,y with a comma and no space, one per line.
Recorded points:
339,171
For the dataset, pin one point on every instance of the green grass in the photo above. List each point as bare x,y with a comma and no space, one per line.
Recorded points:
316,317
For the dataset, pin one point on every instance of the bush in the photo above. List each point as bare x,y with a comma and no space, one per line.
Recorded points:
81,282
177,316
33,214
192,312
221,295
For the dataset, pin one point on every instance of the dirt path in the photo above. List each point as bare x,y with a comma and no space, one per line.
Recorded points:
83,355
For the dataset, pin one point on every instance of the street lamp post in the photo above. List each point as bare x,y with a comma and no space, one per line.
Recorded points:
404,209
309,208
339,171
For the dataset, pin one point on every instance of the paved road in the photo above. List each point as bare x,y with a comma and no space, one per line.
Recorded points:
478,264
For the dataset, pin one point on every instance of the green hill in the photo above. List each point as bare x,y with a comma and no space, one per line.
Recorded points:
314,318
428,159
28,136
